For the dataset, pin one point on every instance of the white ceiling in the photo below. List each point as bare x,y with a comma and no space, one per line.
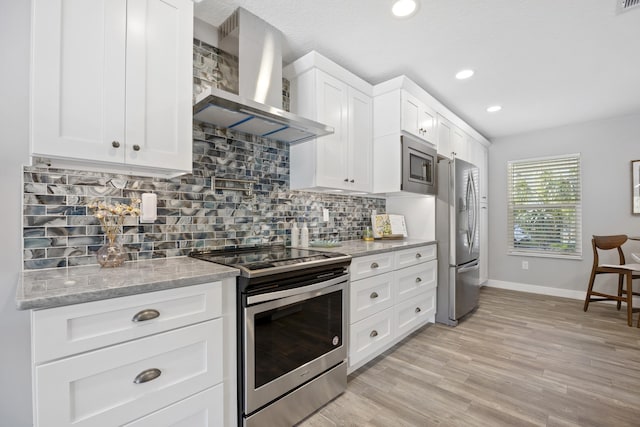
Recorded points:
547,62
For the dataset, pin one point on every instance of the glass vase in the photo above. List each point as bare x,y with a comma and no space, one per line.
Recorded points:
112,254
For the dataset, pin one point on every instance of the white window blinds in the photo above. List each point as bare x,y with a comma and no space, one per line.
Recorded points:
544,206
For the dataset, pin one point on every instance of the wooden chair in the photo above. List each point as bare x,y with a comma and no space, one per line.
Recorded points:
623,270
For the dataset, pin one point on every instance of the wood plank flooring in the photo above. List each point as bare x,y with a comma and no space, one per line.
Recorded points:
520,360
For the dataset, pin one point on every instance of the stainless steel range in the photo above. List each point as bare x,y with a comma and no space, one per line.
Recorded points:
291,330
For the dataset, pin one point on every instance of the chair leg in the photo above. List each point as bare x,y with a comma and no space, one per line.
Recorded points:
629,299
620,286
589,289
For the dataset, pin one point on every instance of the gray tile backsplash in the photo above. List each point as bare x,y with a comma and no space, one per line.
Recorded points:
59,231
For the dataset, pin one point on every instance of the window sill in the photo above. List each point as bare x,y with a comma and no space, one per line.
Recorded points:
545,255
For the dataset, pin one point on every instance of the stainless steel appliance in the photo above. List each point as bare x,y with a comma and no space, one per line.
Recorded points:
291,331
254,104
458,240
418,166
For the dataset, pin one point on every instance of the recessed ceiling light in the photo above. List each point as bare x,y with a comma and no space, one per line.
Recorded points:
404,8
494,108
464,74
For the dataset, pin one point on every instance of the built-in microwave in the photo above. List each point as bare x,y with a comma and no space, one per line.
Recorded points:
419,160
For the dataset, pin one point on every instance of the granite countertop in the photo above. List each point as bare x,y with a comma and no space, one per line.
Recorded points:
73,285
357,248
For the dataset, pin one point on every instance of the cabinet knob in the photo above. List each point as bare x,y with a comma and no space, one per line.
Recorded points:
346,180
352,181
374,265
145,315
136,147
373,295
373,334
115,144
418,310
418,280
146,376
418,255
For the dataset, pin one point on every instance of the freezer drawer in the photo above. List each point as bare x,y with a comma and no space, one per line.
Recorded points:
466,289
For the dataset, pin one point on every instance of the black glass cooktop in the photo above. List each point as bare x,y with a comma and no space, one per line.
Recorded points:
264,258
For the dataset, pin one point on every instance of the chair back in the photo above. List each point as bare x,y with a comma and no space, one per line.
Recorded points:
607,243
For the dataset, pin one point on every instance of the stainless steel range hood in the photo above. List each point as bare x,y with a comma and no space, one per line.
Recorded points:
231,111
256,109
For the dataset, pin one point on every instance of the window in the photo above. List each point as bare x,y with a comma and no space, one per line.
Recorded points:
544,207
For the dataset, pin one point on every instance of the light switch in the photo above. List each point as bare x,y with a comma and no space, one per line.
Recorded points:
149,208
325,215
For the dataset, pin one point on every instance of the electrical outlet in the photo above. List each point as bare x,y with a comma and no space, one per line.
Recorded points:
525,265
325,215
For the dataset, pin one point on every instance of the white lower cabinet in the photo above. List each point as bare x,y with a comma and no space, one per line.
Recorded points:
201,410
370,336
388,304
157,359
415,312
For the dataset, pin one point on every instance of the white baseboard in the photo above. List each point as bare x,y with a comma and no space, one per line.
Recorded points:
545,290
535,289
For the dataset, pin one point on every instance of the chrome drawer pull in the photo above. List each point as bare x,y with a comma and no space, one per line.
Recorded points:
418,310
418,280
418,255
373,295
374,265
373,334
148,375
144,315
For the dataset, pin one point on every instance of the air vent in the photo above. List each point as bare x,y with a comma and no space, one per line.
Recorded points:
626,5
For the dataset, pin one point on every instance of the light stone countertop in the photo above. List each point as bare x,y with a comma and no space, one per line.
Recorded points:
357,248
55,287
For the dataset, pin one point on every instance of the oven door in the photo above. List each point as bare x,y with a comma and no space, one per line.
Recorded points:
418,166
290,340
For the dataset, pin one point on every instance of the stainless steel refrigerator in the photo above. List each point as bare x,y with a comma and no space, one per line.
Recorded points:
457,218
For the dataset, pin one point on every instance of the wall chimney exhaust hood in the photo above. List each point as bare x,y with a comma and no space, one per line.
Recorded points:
256,108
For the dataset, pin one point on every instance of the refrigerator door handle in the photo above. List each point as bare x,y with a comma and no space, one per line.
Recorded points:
472,267
474,194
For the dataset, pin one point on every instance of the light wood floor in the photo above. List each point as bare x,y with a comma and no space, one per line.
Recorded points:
520,360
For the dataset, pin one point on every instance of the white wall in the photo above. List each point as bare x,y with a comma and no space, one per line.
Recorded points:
15,373
607,148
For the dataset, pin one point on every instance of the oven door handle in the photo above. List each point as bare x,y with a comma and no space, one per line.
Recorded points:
270,296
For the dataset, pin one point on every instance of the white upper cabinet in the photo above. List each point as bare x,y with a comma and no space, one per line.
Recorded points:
111,84
343,159
452,141
417,118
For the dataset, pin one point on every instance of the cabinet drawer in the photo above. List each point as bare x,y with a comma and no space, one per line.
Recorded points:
417,311
371,265
205,409
72,329
370,295
413,256
369,335
99,389
413,280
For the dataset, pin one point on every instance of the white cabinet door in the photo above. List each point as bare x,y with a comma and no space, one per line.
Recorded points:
370,295
417,118
205,409
121,383
78,80
159,83
412,281
460,144
415,312
360,141
72,329
444,137
332,107
112,82
370,335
